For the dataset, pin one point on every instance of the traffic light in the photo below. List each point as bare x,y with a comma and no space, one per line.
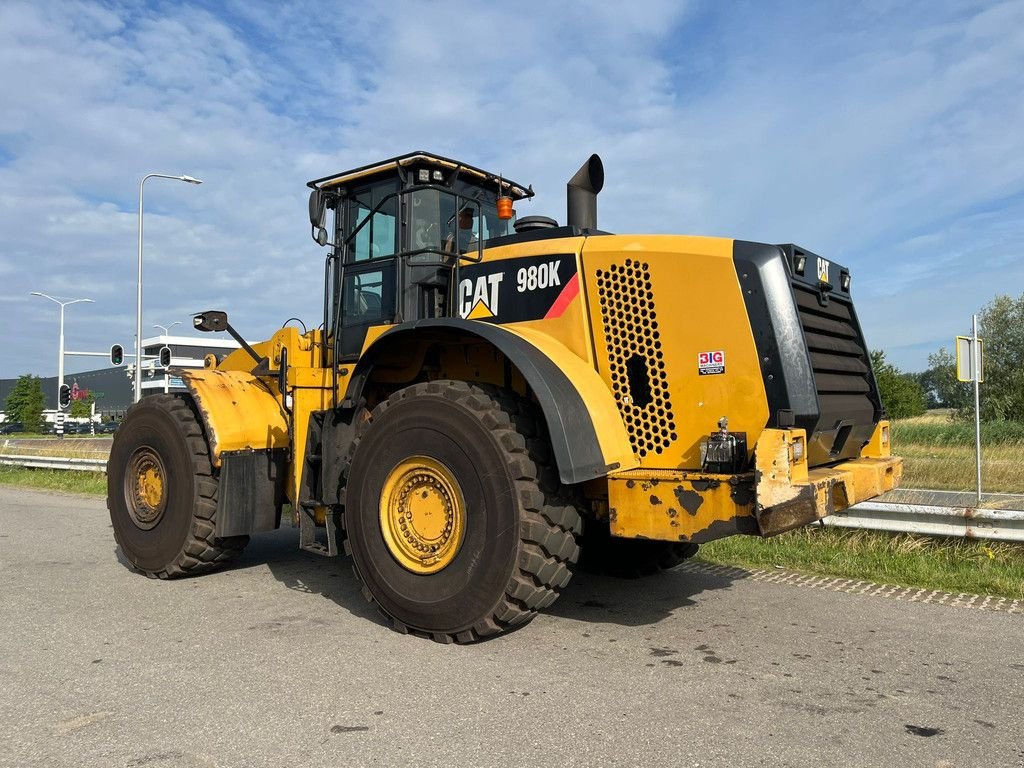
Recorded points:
64,396
116,355
165,357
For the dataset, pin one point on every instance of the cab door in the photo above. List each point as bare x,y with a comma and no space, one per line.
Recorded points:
368,279
367,299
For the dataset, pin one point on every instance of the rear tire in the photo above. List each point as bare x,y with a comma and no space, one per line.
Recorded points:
162,494
448,470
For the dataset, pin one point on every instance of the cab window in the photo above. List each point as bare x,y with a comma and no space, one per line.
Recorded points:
367,298
435,223
378,237
431,214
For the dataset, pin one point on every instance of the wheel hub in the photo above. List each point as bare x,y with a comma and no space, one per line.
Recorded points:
145,488
422,514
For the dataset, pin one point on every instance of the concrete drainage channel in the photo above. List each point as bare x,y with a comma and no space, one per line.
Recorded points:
927,519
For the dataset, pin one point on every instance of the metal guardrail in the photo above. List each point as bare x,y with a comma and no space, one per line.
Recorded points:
55,462
924,519
930,520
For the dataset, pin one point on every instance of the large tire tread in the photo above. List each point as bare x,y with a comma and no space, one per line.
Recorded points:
549,523
203,551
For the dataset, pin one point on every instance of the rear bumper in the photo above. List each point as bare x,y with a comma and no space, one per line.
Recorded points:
780,495
790,495
827,490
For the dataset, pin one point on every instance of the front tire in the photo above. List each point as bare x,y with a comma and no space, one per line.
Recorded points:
450,532
162,494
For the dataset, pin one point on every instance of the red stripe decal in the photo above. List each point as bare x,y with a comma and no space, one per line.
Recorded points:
571,290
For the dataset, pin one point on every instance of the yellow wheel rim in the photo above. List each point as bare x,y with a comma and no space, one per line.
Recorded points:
422,514
145,485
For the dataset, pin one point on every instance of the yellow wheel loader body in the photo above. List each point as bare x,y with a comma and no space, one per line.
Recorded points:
478,391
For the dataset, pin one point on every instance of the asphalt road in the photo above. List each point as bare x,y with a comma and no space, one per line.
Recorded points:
280,662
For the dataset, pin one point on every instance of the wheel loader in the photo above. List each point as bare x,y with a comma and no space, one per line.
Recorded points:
487,394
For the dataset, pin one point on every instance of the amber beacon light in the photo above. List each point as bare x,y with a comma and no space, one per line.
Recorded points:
505,211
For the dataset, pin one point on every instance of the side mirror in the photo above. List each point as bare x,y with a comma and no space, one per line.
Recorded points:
317,209
211,320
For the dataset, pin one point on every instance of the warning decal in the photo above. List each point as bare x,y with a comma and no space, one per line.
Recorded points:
710,363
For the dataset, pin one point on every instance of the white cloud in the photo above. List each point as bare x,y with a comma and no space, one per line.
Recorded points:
884,137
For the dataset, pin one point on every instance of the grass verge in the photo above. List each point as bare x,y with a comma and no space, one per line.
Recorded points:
55,480
938,453
948,565
952,467
935,428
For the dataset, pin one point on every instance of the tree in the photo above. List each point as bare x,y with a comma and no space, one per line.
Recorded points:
940,382
901,393
82,407
25,403
1001,325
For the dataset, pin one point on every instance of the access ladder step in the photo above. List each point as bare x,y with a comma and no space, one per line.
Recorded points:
310,540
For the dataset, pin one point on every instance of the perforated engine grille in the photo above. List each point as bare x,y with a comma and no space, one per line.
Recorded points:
635,356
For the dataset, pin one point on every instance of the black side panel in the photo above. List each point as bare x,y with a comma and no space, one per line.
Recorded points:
251,491
573,438
813,357
778,336
846,386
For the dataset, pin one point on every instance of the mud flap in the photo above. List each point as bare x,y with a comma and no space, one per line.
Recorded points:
251,491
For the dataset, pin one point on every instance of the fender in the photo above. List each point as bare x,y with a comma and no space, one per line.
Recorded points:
238,410
247,434
588,437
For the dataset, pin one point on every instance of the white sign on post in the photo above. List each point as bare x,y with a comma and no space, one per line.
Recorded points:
967,368
970,366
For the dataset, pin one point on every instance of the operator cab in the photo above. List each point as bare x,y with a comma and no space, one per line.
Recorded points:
400,230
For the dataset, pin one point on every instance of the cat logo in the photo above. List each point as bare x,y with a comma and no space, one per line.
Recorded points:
823,266
478,298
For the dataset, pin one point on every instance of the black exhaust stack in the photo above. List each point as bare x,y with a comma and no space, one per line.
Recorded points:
581,194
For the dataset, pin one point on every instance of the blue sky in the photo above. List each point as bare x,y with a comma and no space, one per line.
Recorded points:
885,136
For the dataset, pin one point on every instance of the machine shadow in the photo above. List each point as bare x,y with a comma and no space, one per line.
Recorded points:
641,601
330,577
588,597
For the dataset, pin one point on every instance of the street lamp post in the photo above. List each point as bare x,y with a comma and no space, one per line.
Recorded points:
138,303
60,343
167,376
165,327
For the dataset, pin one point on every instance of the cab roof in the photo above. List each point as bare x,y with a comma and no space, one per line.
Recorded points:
422,159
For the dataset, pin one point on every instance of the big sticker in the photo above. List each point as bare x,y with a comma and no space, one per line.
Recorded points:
711,363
